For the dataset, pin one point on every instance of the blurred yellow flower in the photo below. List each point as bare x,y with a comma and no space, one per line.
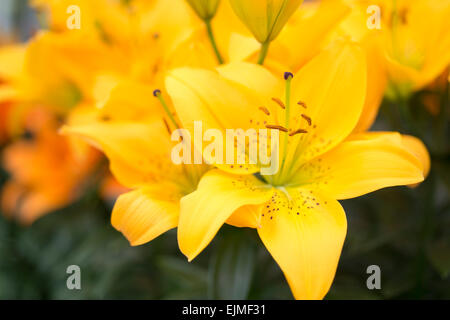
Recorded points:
304,35
295,211
11,64
415,41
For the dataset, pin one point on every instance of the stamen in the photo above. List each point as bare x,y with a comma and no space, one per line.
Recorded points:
264,109
301,103
275,127
297,132
279,102
308,119
157,94
403,14
167,126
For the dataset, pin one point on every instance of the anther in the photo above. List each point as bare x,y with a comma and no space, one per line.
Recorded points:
281,128
167,126
279,102
301,103
288,76
297,132
264,109
156,93
308,119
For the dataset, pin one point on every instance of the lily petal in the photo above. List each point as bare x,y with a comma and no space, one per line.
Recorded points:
138,99
417,147
376,83
305,237
218,196
144,214
246,217
358,167
333,87
139,153
205,96
254,77
305,33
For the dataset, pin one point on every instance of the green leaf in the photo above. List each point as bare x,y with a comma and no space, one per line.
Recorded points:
439,255
186,274
231,268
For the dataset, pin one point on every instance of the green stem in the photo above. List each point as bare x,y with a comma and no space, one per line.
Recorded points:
263,52
406,116
213,41
158,95
405,113
428,210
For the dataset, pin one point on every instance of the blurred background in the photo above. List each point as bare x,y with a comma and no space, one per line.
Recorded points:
404,231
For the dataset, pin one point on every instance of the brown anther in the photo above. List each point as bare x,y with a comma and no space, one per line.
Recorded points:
308,119
301,103
279,102
297,132
403,14
281,128
265,110
167,126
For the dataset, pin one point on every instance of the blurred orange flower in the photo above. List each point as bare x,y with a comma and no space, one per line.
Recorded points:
45,173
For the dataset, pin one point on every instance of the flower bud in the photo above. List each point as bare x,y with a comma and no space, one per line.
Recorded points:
265,18
205,9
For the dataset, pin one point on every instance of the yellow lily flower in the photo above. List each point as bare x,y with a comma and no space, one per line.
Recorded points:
139,157
419,48
137,142
109,20
296,211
